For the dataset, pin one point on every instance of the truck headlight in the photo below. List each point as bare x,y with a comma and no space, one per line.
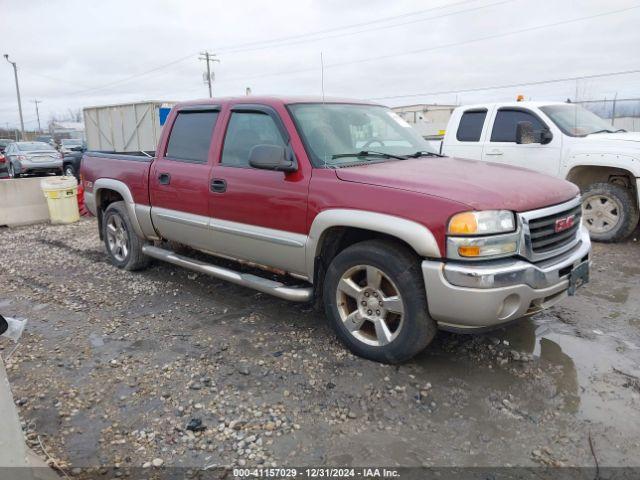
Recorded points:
482,234
482,223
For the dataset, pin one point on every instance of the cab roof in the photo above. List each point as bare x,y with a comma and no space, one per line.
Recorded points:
273,100
536,104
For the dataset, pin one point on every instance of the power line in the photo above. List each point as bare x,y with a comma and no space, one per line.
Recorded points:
344,27
267,43
436,47
511,85
274,44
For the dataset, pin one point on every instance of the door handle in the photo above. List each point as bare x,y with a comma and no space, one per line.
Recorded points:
218,185
494,152
164,179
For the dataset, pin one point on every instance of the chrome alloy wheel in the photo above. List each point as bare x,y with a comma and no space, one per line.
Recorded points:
117,238
600,213
370,305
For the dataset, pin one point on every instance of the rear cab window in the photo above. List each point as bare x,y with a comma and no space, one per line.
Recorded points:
190,137
470,126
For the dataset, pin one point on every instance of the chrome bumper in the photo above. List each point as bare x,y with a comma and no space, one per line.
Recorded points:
482,295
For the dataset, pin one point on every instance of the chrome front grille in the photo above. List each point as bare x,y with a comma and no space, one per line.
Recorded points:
542,239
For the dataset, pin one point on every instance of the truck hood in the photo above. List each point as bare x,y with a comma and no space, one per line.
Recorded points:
480,185
614,137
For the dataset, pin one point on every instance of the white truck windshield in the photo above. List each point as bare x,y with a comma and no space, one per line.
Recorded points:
577,121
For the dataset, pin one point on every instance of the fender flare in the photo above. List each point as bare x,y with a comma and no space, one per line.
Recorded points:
419,237
125,193
603,160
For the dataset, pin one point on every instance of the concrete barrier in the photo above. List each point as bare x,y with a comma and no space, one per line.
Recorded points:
22,202
17,462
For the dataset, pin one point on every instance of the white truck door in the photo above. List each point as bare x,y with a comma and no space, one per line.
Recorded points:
464,133
500,145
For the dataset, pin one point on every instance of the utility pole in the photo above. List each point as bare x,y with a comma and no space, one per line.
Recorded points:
613,110
38,114
209,57
15,74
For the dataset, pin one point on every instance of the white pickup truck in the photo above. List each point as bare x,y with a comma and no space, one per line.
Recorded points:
560,139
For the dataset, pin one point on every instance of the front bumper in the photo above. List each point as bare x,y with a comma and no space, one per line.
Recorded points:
474,296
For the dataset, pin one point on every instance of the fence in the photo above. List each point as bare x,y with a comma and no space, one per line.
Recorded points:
623,113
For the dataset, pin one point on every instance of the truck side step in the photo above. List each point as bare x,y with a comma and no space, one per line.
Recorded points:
264,285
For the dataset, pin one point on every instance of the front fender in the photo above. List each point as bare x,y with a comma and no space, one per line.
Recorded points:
626,162
419,237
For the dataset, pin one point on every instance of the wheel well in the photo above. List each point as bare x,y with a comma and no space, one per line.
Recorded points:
104,198
586,175
334,240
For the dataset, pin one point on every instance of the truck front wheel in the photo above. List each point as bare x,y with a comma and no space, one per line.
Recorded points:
123,245
375,299
609,212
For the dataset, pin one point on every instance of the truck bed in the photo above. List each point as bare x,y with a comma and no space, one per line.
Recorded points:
131,168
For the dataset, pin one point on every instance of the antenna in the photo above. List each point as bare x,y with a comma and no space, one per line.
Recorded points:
322,75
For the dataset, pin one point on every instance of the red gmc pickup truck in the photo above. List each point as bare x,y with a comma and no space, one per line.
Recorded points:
345,202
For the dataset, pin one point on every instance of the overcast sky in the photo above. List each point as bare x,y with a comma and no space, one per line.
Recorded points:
73,54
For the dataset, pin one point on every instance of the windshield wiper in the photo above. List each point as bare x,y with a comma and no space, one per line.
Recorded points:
606,130
424,153
367,153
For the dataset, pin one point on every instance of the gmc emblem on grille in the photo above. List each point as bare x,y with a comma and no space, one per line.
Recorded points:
565,223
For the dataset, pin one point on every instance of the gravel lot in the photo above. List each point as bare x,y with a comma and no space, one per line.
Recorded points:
167,367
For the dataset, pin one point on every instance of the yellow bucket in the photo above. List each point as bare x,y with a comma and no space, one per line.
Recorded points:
61,194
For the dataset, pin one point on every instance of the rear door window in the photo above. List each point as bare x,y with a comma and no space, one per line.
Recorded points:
504,127
191,136
470,127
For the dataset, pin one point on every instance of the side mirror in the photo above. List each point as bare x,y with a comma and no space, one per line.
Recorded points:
272,157
524,133
546,136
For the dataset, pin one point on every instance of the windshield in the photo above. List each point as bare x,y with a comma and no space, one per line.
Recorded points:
71,141
33,146
338,130
577,121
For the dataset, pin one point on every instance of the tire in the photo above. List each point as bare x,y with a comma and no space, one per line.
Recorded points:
123,246
408,332
609,212
69,170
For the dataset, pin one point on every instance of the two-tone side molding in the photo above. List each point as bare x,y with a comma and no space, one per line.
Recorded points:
264,285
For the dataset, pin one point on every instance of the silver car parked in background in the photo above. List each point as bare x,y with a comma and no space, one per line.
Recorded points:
32,157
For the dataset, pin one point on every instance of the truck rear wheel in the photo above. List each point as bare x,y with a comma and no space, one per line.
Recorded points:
609,212
123,245
375,299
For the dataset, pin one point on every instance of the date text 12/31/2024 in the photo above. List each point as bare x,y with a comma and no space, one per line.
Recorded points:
319,472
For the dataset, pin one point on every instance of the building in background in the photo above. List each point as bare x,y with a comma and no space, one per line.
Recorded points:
430,120
63,129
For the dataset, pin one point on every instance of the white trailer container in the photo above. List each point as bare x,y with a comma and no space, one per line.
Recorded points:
129,127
